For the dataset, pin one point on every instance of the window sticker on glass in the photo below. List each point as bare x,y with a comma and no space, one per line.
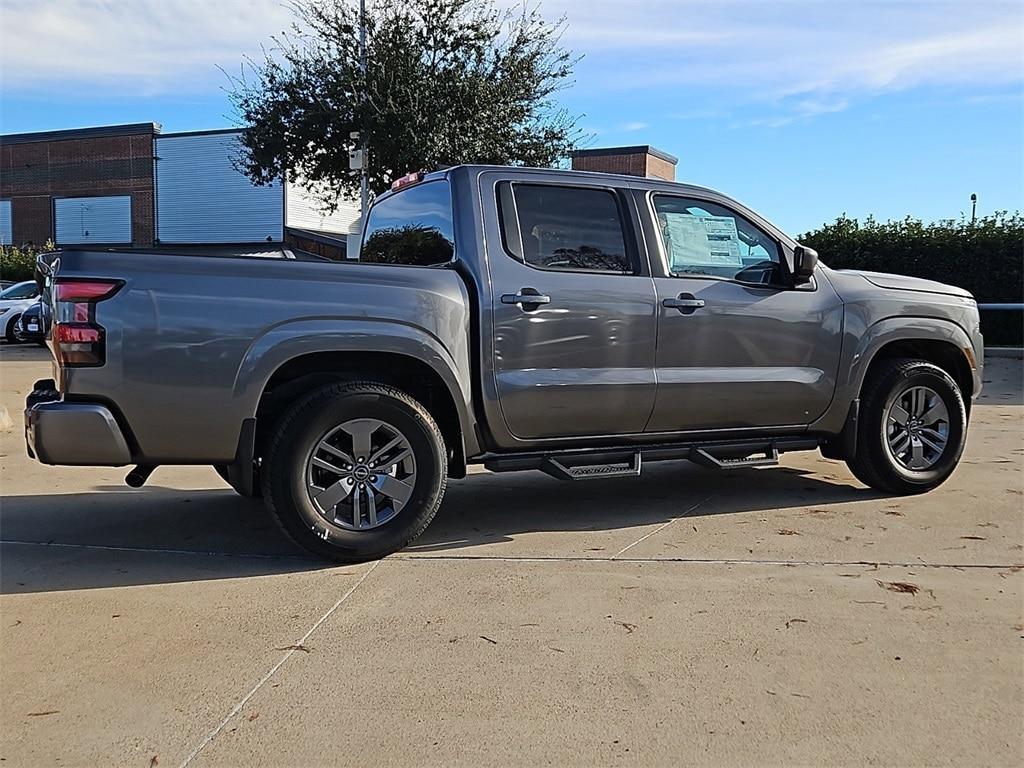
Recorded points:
700,241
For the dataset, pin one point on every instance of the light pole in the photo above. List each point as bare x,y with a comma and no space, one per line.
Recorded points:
974,207
364,187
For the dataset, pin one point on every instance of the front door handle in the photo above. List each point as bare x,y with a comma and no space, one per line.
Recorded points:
686,303
525,297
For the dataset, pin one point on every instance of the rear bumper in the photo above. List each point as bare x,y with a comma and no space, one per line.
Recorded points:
77,434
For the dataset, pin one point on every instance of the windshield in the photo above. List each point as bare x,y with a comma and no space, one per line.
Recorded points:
26,290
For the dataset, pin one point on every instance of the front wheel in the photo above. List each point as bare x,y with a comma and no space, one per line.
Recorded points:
11,337
913,427
355,471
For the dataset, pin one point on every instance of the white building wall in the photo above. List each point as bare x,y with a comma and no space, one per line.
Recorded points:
304,210
202,198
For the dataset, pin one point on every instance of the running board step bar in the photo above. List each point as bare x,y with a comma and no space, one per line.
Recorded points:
597,463
560,471
705,459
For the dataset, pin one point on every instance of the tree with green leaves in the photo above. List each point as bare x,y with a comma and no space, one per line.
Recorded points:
446,82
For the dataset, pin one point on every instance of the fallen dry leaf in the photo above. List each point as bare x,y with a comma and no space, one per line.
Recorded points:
630,628
974,538
899,586
492,642
795,621
154,760
302,648
788,532
44,713
253,716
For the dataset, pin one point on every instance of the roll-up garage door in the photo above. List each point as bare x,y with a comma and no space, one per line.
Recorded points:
5,223
202,198
100,220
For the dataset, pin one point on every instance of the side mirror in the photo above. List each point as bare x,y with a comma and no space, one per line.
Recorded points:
804,261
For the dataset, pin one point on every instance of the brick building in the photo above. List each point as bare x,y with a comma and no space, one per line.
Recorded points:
642,160
41,171
133,185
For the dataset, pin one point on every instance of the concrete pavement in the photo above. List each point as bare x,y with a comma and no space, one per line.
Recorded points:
785,615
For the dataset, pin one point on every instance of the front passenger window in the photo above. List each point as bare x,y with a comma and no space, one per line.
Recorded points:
703,238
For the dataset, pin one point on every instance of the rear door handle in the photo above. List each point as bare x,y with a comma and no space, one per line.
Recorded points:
525,296
683,303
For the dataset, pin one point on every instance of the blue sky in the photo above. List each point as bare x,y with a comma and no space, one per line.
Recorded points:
802,109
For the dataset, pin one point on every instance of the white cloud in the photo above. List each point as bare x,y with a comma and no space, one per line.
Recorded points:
636,125
756,50
141,46
800,58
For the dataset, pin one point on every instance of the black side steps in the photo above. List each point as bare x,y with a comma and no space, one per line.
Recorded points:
560,471
705,459
571,467
596,463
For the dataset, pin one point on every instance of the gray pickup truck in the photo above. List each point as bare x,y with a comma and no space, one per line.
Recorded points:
576,323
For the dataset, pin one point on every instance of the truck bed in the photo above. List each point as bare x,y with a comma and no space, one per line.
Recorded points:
193,338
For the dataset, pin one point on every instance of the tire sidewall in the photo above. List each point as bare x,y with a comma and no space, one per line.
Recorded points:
938,381
310,425
9,332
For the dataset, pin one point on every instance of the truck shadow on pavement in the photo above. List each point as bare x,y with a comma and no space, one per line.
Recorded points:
122,537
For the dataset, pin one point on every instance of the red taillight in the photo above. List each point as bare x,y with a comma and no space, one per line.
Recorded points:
78,340
87,291
66,333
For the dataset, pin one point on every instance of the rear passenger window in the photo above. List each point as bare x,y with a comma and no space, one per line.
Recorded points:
563,228
704,238
412,227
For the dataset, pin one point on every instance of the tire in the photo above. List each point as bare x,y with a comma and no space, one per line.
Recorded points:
299,493
11,338
881,461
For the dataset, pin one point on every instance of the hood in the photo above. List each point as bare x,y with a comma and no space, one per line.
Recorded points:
905,283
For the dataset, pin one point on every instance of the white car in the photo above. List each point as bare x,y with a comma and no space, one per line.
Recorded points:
14,301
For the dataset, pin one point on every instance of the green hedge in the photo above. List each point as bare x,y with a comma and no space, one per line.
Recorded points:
985,257
18,264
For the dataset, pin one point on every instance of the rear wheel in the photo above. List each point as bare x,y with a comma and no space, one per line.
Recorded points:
355,471
913,428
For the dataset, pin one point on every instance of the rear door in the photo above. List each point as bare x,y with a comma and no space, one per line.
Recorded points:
573,309
739,346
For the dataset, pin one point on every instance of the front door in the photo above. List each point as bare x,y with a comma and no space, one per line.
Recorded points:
574,315
738,345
